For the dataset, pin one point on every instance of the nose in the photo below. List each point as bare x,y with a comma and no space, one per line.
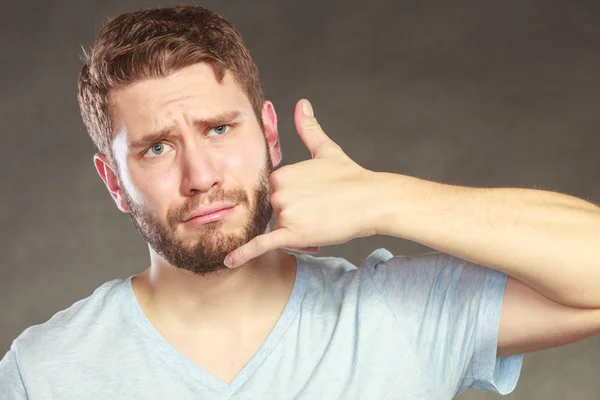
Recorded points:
199,171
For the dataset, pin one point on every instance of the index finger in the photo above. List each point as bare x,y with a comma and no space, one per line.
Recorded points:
256,247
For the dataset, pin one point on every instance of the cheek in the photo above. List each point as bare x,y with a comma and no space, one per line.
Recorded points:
129,185
245,165
154,189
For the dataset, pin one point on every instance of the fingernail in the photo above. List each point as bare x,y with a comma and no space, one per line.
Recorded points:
228,262
307,108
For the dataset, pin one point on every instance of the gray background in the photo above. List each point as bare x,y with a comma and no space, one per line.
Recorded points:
476,93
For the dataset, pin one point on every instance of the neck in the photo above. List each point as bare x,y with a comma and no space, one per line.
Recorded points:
232,299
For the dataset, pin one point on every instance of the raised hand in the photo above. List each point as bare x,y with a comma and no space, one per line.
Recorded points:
318,202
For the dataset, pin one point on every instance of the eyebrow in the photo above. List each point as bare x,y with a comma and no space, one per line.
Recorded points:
200,124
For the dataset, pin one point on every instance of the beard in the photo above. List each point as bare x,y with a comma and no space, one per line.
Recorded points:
206,252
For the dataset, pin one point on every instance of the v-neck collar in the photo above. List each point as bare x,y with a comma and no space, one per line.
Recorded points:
178,360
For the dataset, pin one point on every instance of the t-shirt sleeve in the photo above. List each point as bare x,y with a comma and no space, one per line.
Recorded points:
11,383
449,311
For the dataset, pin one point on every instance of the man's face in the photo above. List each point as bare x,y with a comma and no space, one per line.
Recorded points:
187,141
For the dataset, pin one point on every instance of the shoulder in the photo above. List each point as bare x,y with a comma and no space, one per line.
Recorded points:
421,268
328,274
325,270
71,326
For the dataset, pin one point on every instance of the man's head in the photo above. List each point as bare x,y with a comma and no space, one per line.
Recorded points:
173,102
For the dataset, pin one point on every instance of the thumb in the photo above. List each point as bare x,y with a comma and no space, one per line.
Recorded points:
309,130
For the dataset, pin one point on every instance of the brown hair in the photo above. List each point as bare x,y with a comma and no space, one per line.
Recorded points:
155,43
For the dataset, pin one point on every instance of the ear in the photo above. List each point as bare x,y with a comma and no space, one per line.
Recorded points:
109,178
269,118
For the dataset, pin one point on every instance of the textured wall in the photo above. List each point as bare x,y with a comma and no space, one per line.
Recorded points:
476,93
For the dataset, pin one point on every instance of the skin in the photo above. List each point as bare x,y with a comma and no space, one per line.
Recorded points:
193,166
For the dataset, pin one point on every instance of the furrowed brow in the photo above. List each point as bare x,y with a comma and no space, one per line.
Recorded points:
216,120
200,124
152,138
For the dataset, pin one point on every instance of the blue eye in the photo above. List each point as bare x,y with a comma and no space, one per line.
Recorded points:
221,129
157,149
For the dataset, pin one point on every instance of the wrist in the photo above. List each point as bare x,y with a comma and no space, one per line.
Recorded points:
385,202
405,206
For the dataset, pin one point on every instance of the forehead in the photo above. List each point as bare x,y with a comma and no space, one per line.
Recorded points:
192,92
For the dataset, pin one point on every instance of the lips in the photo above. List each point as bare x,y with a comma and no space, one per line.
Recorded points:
209,213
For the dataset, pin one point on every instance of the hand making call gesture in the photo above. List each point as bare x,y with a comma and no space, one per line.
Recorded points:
318,202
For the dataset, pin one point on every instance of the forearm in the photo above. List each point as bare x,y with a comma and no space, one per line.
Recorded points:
550,241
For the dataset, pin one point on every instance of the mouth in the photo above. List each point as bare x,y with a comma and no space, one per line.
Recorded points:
210,215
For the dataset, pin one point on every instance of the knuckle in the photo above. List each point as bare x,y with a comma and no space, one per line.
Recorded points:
276,198
313,124
281,173
258,242
284,215
275,178
273,184
239,255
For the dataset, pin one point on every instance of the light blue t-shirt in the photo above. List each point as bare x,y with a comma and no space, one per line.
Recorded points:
405,328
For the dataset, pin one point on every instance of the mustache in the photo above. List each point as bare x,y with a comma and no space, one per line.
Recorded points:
236,196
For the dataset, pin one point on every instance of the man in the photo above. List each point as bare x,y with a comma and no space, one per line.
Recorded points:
186,146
